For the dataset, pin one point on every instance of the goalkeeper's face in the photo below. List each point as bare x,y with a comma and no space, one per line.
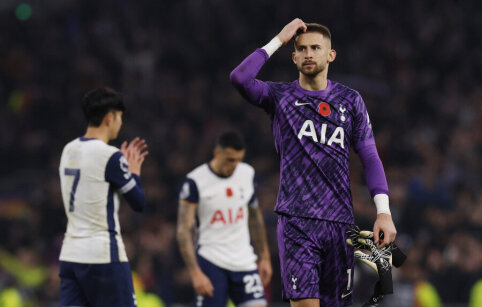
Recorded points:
227,159
313,53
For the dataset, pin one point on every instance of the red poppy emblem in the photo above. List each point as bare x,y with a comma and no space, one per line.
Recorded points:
324,109
229,192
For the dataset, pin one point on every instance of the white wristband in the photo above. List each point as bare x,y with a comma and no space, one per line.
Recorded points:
381,202
272,46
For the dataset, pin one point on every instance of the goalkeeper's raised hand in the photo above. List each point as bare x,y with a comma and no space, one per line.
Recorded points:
290,30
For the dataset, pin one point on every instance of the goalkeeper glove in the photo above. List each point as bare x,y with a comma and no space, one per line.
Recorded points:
380,260
398,257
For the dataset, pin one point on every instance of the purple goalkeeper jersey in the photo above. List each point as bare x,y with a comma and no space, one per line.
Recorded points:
313,132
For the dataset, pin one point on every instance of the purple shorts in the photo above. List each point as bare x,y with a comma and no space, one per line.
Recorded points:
315,260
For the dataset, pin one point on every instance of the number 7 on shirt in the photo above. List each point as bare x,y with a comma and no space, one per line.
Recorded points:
76,173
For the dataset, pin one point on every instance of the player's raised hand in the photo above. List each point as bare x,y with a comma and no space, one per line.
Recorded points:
135,153
384,223
265,271
201,283
290,30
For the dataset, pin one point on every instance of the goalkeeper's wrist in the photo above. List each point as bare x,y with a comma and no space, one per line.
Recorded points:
382,203
272,46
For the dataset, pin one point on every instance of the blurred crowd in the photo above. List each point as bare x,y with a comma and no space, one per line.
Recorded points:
417,64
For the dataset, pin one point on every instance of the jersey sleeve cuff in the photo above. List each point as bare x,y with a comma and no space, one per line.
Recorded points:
253,202
128,186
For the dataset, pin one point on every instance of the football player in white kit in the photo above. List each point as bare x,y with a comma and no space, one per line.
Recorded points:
94,270
221,195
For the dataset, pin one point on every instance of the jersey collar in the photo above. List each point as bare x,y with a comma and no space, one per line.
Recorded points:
212,171
84,139
314,93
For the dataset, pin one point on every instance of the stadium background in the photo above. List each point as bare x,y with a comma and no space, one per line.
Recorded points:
417,64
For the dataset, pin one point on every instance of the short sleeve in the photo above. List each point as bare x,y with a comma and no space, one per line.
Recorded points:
117,172
253,201
362,127
189,191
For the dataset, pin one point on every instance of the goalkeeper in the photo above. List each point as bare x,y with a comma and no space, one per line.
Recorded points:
315,122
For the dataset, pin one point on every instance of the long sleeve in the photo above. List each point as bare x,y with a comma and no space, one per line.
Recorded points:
244,79
117,173
373,168
136,197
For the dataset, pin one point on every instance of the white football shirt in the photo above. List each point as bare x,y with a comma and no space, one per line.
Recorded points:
222,212
92,173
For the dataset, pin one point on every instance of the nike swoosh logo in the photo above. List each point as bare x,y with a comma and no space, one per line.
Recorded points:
345,295
301,104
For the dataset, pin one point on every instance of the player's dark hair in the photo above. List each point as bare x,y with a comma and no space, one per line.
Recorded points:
314,27
230,139
100,101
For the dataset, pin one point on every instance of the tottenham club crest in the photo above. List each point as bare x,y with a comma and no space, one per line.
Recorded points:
293,280
342,110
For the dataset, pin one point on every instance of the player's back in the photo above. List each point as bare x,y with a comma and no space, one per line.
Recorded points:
91,203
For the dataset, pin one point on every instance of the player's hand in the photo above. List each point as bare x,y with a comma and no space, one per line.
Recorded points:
265,271
290,30
384,223
201,283
135,153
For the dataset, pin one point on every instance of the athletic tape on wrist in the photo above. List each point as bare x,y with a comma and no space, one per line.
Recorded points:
272,46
